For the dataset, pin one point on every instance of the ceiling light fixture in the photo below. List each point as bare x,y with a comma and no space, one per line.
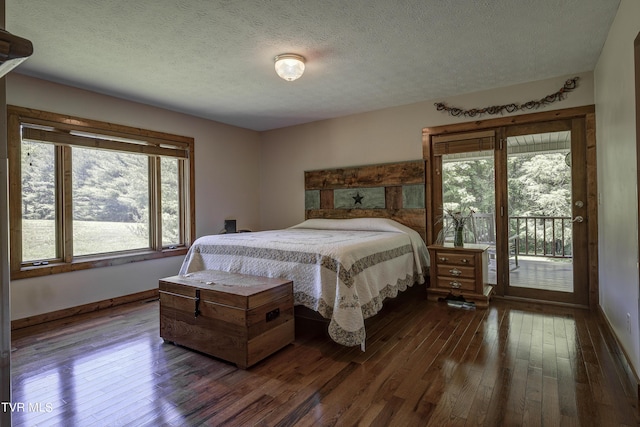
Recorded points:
289,66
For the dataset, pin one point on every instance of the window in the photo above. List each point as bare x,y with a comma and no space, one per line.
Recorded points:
87,194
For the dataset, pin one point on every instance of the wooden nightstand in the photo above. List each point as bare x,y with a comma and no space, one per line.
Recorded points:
460,272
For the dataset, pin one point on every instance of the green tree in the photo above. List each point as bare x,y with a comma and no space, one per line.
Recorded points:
107,186
469,184
38,181
170,201
539,185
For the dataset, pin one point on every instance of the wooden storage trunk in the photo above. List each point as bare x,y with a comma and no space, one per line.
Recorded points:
235,317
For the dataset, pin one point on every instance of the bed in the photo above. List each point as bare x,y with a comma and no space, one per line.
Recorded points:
341,268
362,241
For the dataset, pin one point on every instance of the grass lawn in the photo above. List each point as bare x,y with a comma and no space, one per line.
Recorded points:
89,237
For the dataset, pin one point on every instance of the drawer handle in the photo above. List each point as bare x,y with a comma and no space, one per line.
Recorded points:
464,261
455,272
455,285
196,312
273,315
443,259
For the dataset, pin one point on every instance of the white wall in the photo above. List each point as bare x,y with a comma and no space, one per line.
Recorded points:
617,178
393,134
227,165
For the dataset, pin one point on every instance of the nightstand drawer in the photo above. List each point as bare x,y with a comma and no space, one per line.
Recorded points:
456,284
456,271
455,258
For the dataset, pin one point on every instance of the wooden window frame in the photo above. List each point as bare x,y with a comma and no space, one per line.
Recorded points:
63,131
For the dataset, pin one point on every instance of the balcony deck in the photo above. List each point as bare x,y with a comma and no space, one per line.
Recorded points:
551,274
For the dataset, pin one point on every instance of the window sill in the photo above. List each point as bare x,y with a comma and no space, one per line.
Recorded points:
86,263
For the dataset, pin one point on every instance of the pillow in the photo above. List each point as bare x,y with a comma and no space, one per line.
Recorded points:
373,224
363,224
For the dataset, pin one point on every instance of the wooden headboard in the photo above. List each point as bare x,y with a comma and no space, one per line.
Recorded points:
389,190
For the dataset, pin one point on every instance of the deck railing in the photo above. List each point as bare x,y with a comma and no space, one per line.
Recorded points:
541,236
544,236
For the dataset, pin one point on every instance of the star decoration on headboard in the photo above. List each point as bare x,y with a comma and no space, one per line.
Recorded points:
357,198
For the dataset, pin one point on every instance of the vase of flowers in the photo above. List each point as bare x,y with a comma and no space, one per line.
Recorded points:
456,220
458,236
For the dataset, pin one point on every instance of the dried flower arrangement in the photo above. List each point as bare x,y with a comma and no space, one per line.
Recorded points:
454,220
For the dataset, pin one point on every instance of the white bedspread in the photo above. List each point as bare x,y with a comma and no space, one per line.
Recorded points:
343,269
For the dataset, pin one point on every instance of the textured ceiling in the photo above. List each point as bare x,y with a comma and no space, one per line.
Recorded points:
214,59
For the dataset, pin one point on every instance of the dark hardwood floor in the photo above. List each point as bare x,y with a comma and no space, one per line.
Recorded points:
425,364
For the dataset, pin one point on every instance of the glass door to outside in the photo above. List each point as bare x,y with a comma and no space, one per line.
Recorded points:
526,186
546,226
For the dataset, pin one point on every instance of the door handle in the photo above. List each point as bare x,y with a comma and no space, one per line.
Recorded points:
578,219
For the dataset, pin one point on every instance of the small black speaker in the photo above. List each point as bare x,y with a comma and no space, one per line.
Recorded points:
229,225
